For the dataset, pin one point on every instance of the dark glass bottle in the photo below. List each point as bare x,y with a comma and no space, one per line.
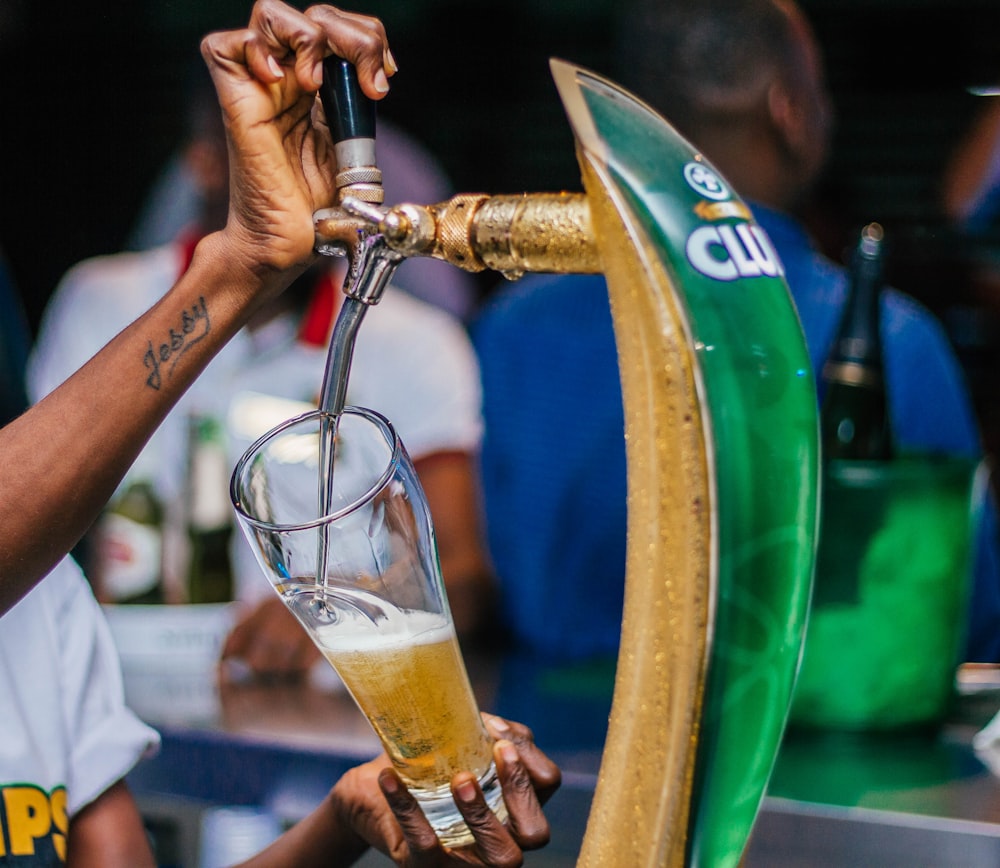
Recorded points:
210,525
854,417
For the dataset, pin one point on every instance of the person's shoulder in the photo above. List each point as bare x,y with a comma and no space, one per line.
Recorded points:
402,311
131,277
537,298
415,333
56,592
68,578
94,300
903,311
544,291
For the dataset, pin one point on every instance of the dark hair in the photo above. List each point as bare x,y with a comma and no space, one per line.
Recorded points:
690,58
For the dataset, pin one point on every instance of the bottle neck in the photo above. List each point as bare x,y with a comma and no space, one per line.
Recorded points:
854,416
856,357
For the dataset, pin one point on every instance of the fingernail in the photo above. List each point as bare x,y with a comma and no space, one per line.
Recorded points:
318,73
381,82
275,67
499,725
508,751
466,791
389,782
390,63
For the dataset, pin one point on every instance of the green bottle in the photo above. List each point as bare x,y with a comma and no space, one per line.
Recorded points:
129,550
210,523
854,417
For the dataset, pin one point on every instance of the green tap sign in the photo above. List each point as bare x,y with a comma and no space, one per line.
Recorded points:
723,463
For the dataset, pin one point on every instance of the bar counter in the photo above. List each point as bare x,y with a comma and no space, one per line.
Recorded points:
909,799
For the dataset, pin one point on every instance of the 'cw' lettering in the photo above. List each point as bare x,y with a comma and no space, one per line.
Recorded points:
727,252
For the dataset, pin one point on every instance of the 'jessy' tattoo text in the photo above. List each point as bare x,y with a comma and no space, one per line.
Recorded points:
161,361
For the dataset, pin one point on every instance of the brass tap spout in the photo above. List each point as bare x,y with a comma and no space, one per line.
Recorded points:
510,234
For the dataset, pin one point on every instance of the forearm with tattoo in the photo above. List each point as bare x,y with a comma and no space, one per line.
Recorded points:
194,327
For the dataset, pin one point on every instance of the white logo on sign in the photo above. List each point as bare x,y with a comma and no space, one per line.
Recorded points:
705,182
727,252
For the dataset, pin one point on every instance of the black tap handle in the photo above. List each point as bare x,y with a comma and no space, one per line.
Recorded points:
349,113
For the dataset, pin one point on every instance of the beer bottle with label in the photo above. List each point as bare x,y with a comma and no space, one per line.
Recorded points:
854,417
210,525
129,547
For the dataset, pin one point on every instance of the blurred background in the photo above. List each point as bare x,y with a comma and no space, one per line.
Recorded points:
93,107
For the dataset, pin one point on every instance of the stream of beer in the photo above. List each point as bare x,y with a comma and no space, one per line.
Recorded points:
332,398
327,447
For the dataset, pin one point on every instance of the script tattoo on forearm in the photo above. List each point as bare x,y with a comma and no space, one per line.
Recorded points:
160,361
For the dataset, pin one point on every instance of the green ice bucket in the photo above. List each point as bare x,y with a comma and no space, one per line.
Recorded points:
888,614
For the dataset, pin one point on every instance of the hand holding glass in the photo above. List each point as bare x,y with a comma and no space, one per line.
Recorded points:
362,576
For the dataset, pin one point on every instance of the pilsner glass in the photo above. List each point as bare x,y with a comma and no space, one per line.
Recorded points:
377,608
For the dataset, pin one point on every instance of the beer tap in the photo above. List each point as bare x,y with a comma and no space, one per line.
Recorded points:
511,234
710,353
371,262
350,116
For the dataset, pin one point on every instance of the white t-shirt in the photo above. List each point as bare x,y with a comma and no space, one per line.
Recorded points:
66,733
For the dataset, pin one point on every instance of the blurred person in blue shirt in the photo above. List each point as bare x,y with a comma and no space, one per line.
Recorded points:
743,80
